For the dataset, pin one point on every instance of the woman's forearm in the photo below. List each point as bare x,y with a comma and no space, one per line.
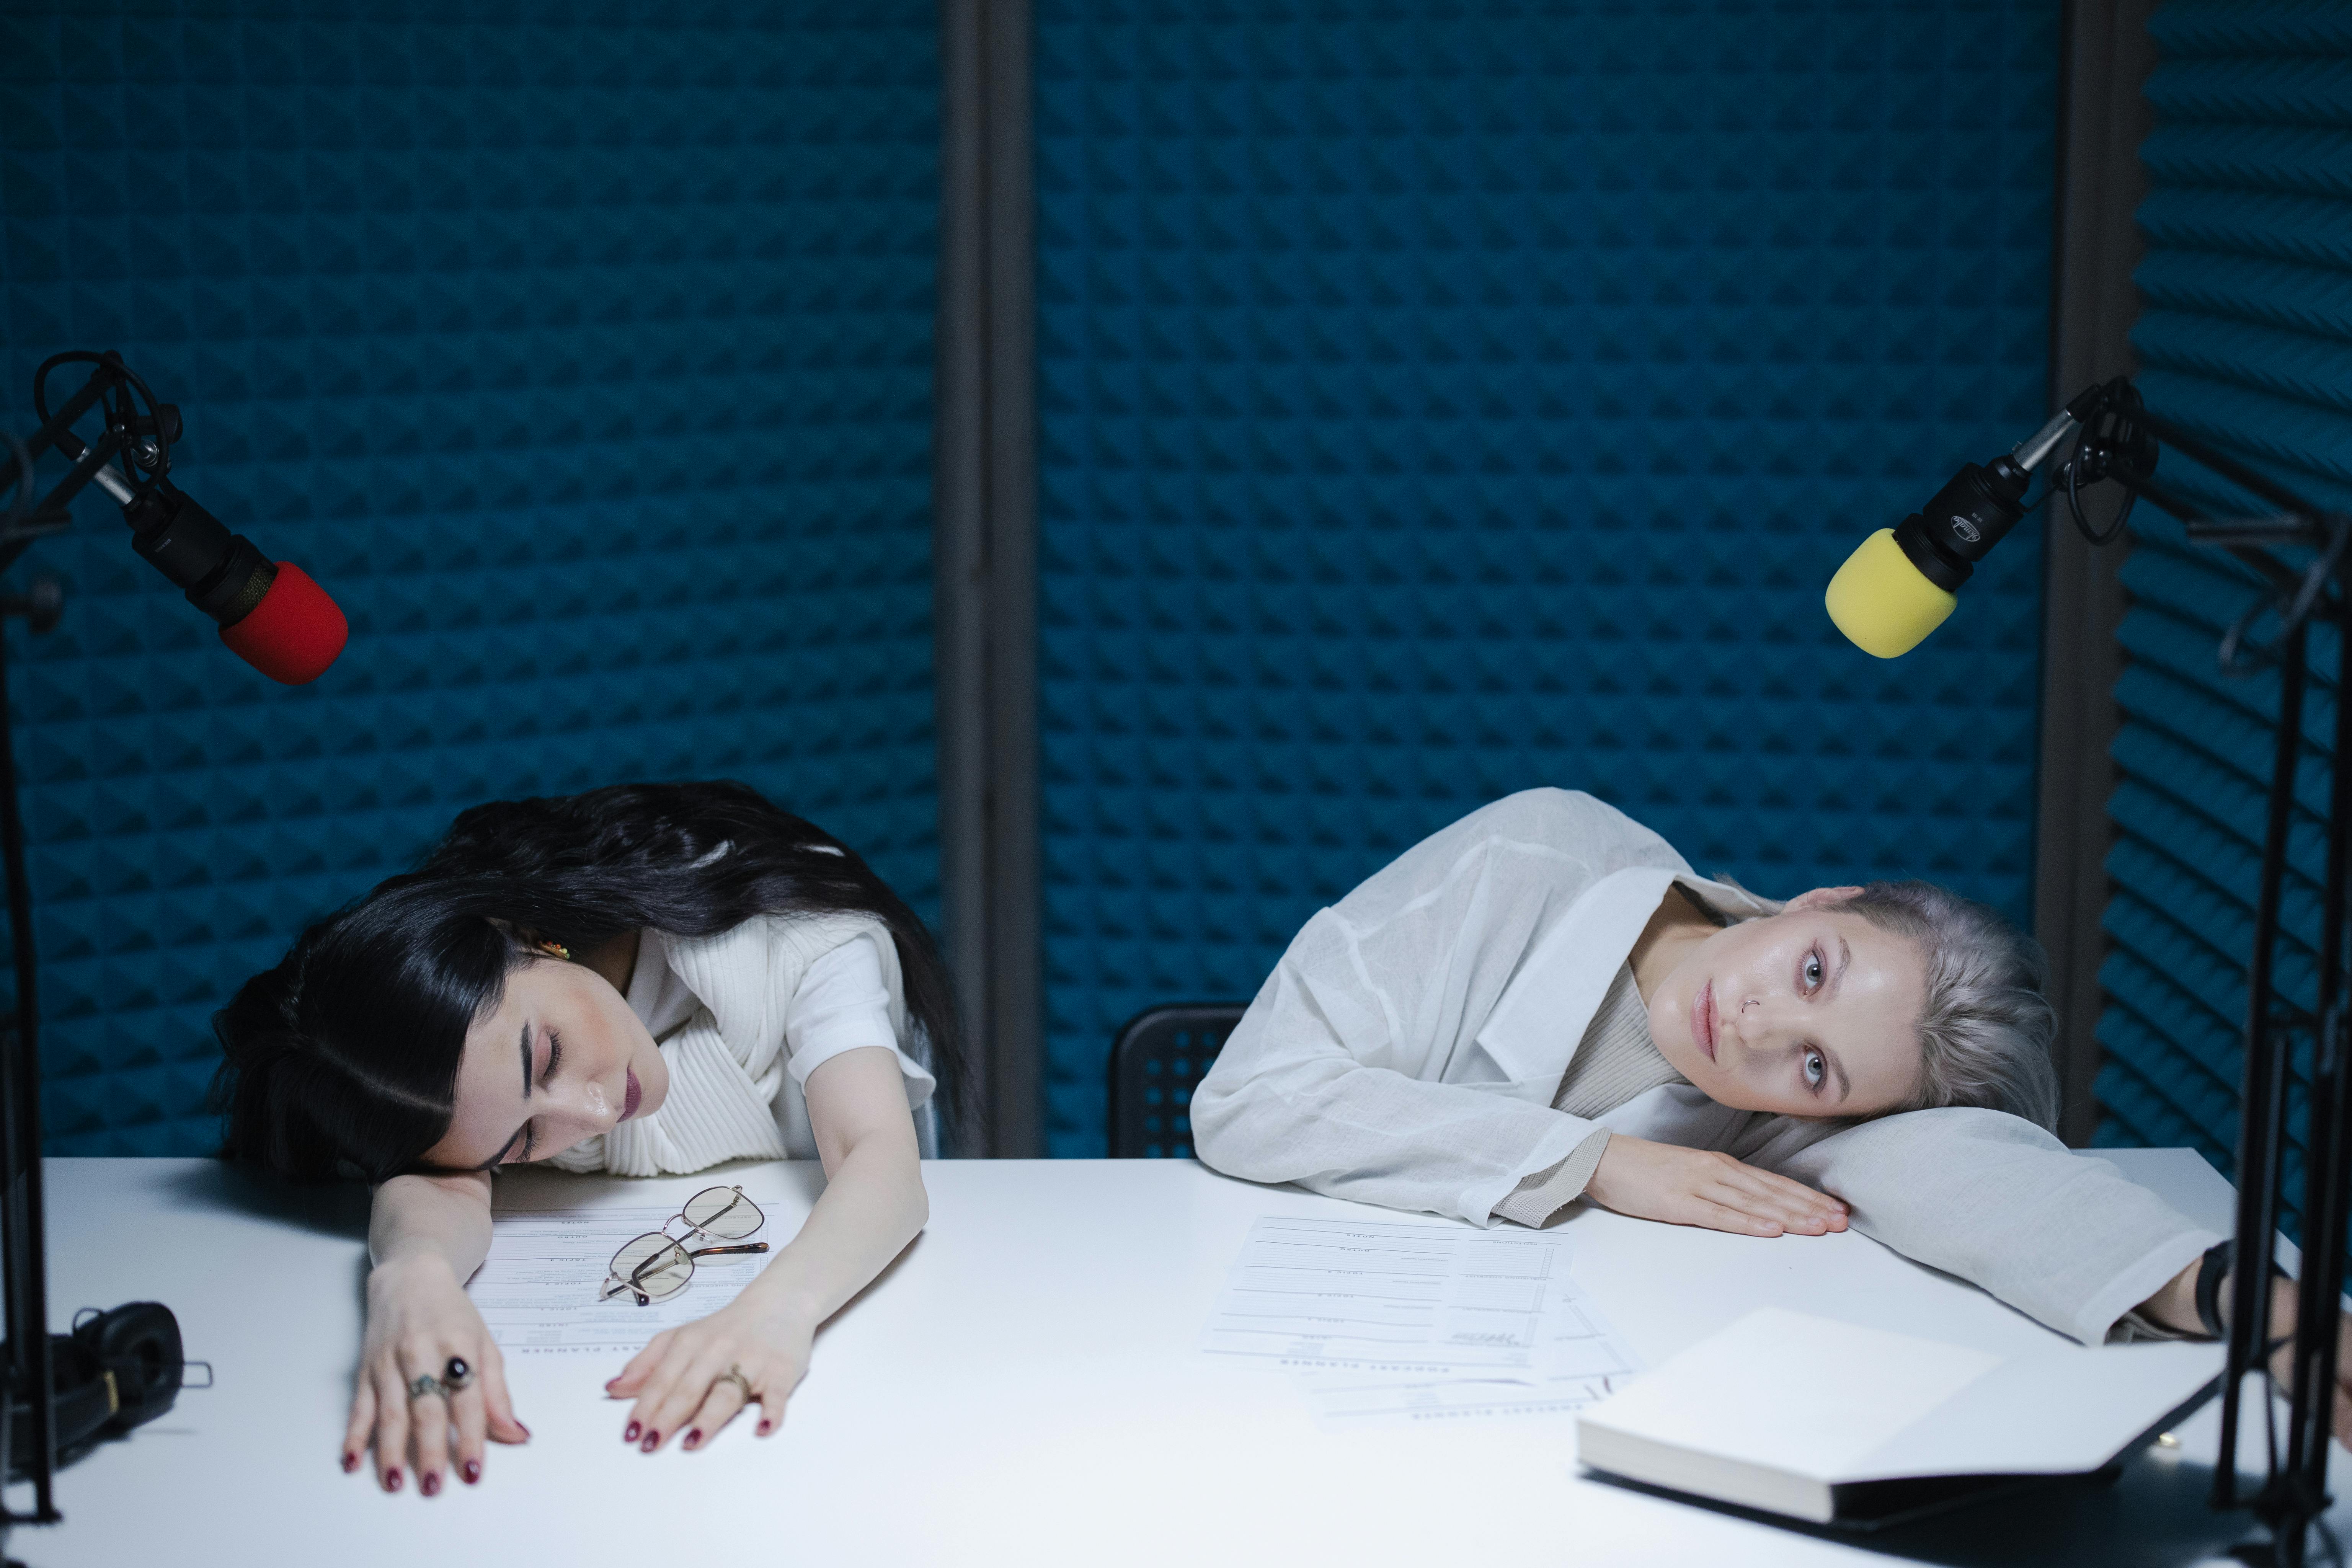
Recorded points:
427,1235
427,1219
873,1206
2175,1306
1999,1202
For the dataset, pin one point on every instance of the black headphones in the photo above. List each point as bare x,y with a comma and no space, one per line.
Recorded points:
117,1370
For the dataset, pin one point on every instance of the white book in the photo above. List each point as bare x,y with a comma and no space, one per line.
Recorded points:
1837,1424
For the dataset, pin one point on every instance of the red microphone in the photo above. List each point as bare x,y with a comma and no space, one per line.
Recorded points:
272,616
294,633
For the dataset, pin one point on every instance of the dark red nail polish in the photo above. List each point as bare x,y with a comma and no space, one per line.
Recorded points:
430,1485
653,1441
632,1433
694,1436
473,1472
392,1480
350,1463
766,1428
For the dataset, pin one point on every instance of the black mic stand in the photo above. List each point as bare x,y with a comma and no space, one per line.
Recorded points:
2108,434
2294,1493
28,1369
218,571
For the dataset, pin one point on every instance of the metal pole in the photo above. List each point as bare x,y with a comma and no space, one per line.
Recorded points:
2262,1110
985,564
30,1371
2325,1161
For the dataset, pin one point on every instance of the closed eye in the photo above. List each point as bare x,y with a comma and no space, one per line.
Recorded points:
554,1060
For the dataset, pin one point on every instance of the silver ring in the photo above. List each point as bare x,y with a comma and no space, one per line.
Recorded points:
423,1383
734,1374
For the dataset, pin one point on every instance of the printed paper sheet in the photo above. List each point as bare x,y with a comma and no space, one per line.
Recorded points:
1394,1320
537,1290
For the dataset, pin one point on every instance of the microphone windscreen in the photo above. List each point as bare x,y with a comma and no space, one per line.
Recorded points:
1882,602
294,633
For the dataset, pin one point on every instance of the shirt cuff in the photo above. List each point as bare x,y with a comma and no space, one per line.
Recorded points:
2095,1323
2135,1325
1537,1200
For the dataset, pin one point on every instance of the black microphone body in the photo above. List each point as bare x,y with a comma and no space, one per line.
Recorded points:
1961,522
221,572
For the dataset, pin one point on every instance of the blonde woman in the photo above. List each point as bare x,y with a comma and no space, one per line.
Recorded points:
1544,1005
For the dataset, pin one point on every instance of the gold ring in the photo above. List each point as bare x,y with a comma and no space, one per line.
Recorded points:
734,1374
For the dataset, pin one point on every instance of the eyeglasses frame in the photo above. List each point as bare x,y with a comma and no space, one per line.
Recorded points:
615,1284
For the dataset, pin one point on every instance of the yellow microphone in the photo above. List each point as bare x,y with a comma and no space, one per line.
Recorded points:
1882,602
1905,581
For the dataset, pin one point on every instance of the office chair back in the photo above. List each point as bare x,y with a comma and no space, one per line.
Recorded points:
1154,1063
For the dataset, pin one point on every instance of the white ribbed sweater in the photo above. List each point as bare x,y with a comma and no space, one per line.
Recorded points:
735,1085
1615,1062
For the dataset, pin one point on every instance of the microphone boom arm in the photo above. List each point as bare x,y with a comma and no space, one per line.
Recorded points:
2109,432
222,574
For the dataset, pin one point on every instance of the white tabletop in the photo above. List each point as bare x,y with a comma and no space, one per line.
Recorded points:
1023,1387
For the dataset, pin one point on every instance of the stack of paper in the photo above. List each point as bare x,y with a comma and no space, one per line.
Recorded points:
1395,1321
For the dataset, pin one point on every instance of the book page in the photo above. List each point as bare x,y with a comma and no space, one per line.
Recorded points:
2060,1411
1793,1393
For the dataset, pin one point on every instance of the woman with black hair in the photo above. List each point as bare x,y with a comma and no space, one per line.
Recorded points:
646,979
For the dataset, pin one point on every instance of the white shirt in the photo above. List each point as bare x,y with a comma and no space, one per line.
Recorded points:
1407,1050
742,1018
840,1005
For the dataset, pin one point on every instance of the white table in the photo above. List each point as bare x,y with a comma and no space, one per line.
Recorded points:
1023,1387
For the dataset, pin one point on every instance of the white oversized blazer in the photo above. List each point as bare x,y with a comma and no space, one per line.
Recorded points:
1406,1051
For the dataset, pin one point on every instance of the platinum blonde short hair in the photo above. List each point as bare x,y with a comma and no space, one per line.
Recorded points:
1986,1030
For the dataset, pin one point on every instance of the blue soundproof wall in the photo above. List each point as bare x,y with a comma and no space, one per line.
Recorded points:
2246,337
1442,397
583,351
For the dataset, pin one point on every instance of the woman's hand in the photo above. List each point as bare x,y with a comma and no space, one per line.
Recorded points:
418,1317
1697,1186
2175,1307
680,1379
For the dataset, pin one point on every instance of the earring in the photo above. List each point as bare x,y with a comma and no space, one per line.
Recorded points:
554,949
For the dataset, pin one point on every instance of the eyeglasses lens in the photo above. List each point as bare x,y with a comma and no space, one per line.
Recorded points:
653,1264
724,1213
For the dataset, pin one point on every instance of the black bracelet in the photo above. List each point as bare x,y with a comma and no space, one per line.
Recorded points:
2209,1286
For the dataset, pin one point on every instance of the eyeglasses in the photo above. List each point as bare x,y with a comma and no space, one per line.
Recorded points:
657,1264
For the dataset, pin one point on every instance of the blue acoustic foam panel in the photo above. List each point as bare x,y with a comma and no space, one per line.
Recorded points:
581,351
2246,338
1439,399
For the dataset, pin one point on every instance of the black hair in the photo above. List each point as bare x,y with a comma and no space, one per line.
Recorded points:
342,1061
